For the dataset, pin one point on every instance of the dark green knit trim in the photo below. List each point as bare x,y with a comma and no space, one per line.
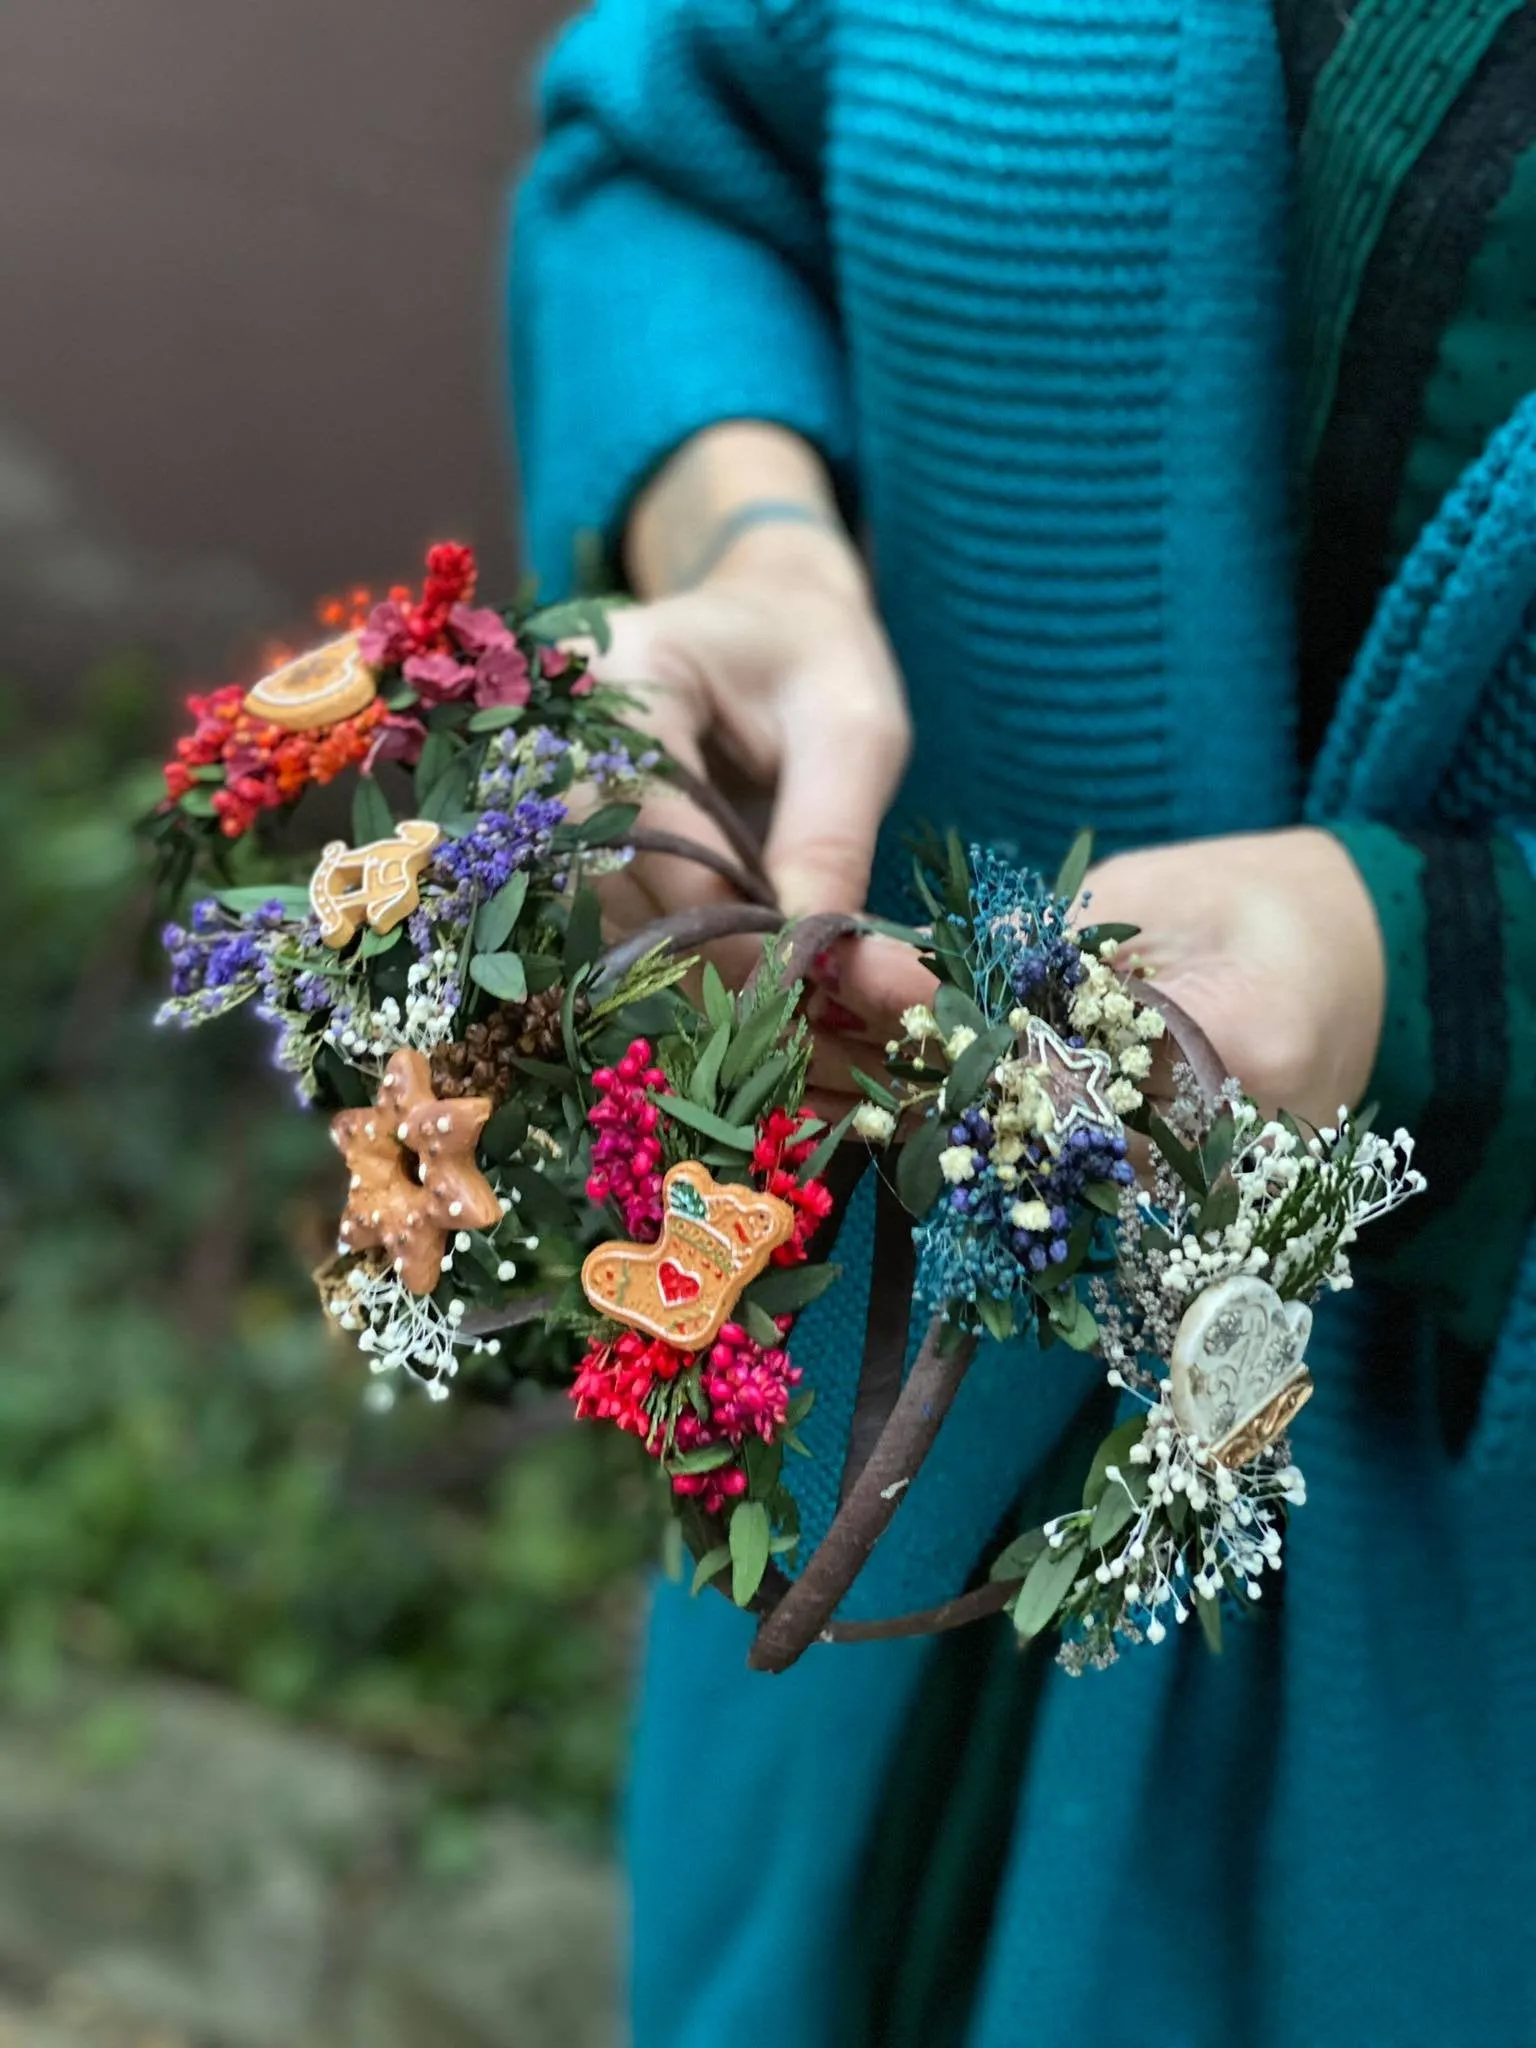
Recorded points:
1486,359
1308,32
1457,1065
1382,95
1427,276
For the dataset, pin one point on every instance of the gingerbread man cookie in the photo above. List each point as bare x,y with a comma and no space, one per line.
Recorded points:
414,1177
714,1240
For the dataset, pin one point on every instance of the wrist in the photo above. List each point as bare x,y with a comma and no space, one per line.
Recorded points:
771,547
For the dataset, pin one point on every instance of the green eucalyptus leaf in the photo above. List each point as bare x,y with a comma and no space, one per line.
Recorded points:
500,975
764,1463
295,901
494,922
785,1290
1103,1195
495,718
1046,1586
954,1010
710,1566
1220,1207
919,1181
196,803
706,1072
749,1099
605,825
749,1536
1093,936
971,1072
548,1071
505,1132
1072,1320
438,753
374,943
1114,1450
1209,1613
1118,1507
583,931
997,1318
543,971
759,1324
569,1037
875,1090
718,1006
1184,1161
1014,1561
1216,1152
766,1024
1069,879
821,1158
450,792
740,1137
709,1459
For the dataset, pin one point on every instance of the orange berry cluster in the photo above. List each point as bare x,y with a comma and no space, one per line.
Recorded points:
265,766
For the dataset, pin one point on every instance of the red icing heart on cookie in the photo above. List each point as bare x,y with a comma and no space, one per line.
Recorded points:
676,1284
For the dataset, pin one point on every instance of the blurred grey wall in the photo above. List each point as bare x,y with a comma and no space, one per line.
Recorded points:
250,310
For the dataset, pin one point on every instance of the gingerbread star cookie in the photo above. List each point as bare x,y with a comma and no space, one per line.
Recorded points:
713,1241
414,1177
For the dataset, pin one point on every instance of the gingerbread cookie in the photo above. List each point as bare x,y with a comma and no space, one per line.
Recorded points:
414,1177
319,688
714,1240
378,884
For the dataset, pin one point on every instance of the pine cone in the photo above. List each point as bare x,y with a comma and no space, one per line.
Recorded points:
481,1062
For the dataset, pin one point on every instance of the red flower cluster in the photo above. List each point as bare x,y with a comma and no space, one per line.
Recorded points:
776,1158
626,1157
747,1385
444,647
265,766
615,1380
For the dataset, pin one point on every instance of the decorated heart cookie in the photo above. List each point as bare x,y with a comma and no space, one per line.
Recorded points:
376,885
318,688
714,1240
1236,1368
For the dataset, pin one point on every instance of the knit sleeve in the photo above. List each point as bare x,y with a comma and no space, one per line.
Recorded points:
670,262
1457,1063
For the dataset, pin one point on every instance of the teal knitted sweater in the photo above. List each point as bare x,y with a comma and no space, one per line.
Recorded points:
1016,267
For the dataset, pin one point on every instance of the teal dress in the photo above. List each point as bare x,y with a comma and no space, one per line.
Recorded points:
1021,270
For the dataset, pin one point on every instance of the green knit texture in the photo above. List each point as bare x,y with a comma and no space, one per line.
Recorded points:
1381,97
1486,361
1458,1249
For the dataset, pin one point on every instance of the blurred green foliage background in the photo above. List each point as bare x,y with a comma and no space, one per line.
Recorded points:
189,1479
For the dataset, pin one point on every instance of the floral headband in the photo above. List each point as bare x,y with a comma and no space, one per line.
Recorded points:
590,1163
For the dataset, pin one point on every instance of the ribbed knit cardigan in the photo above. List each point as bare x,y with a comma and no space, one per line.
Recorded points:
1015,266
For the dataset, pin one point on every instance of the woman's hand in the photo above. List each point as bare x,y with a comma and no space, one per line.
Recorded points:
759,642
778,660
1270,942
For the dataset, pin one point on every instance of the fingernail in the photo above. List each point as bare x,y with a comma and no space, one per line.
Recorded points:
836,1016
